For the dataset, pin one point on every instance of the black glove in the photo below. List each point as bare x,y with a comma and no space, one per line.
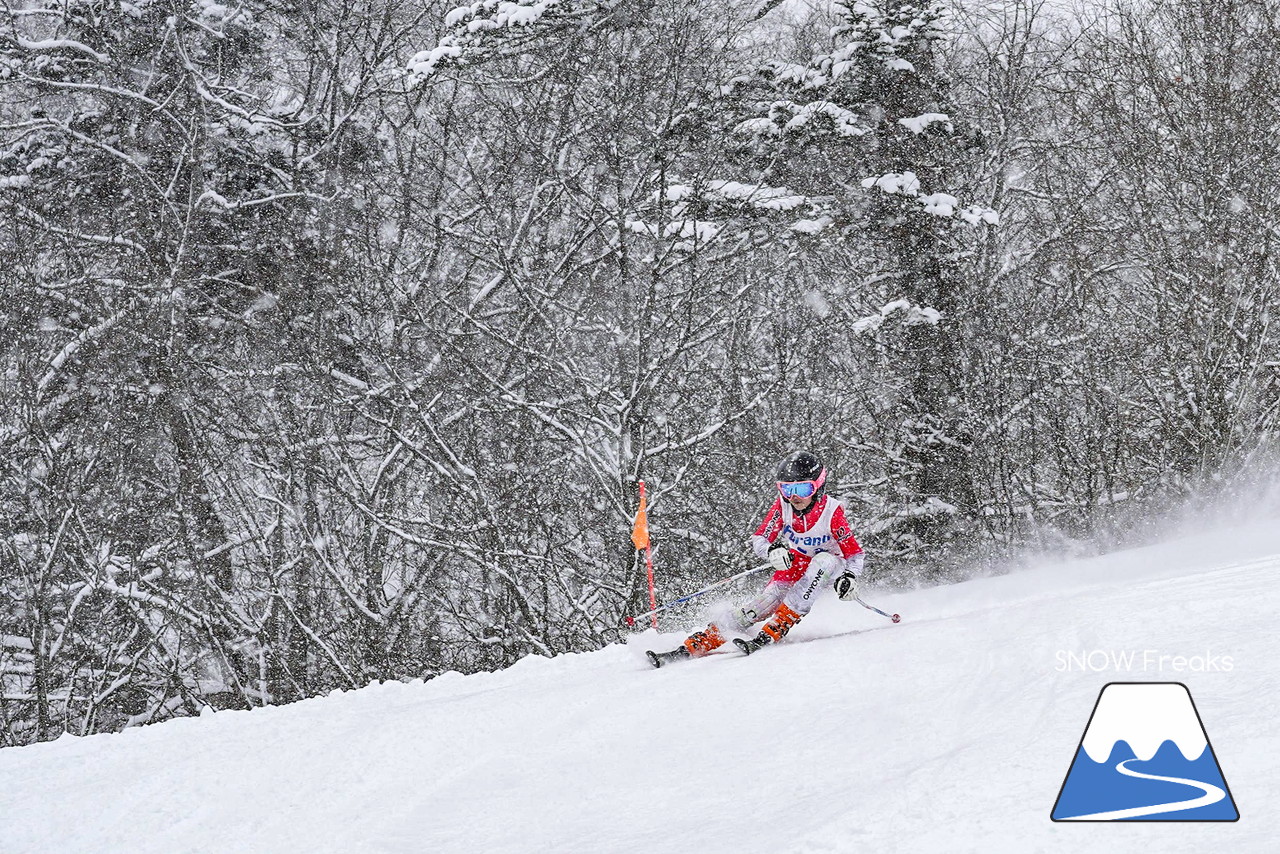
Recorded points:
780,557
847,586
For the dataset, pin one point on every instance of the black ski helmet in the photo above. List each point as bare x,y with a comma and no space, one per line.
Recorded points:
801,465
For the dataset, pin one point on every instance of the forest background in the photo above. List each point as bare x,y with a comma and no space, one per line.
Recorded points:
336,335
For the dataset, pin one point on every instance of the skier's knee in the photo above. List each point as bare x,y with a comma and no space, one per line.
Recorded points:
825,562
745,618
734,618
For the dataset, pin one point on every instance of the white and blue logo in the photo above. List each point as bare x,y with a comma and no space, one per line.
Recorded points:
1145,756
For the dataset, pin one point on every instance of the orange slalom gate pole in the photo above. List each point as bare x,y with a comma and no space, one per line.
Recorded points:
653,599
640,536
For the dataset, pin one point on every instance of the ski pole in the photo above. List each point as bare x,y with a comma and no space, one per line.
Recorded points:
894,617
631,621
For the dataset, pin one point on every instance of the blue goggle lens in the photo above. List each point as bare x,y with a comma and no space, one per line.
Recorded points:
802,489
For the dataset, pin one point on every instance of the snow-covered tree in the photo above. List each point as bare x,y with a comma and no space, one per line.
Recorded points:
866,128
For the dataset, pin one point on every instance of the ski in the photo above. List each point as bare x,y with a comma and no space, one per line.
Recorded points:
744,645
749,646
657,659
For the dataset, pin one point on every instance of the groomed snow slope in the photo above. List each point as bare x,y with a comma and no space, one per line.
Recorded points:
950,732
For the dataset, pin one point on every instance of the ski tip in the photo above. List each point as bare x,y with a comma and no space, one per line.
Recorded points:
742,645
897,618
653,658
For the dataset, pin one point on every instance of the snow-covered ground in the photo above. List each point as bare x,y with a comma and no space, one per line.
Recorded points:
950,732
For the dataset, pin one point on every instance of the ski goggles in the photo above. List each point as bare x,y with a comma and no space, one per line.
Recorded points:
798,489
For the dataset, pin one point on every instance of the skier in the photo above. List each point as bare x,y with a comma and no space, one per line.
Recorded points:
806,538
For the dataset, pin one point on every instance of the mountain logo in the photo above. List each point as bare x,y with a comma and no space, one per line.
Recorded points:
1145,756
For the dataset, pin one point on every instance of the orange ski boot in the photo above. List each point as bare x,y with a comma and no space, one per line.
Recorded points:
697,645
772,632
701,643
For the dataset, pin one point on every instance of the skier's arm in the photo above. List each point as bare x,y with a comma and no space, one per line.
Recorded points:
849,546
851,554
768,532
853,565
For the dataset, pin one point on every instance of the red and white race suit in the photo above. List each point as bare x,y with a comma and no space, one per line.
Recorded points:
822,547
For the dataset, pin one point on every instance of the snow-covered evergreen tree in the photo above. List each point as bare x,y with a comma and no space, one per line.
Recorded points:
866,129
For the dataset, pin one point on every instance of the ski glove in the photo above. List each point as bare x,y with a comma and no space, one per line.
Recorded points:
780,557
847,586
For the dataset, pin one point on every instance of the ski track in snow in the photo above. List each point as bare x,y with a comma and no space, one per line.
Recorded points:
949,732
1211,794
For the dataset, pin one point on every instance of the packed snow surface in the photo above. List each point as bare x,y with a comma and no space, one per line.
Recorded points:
950,732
